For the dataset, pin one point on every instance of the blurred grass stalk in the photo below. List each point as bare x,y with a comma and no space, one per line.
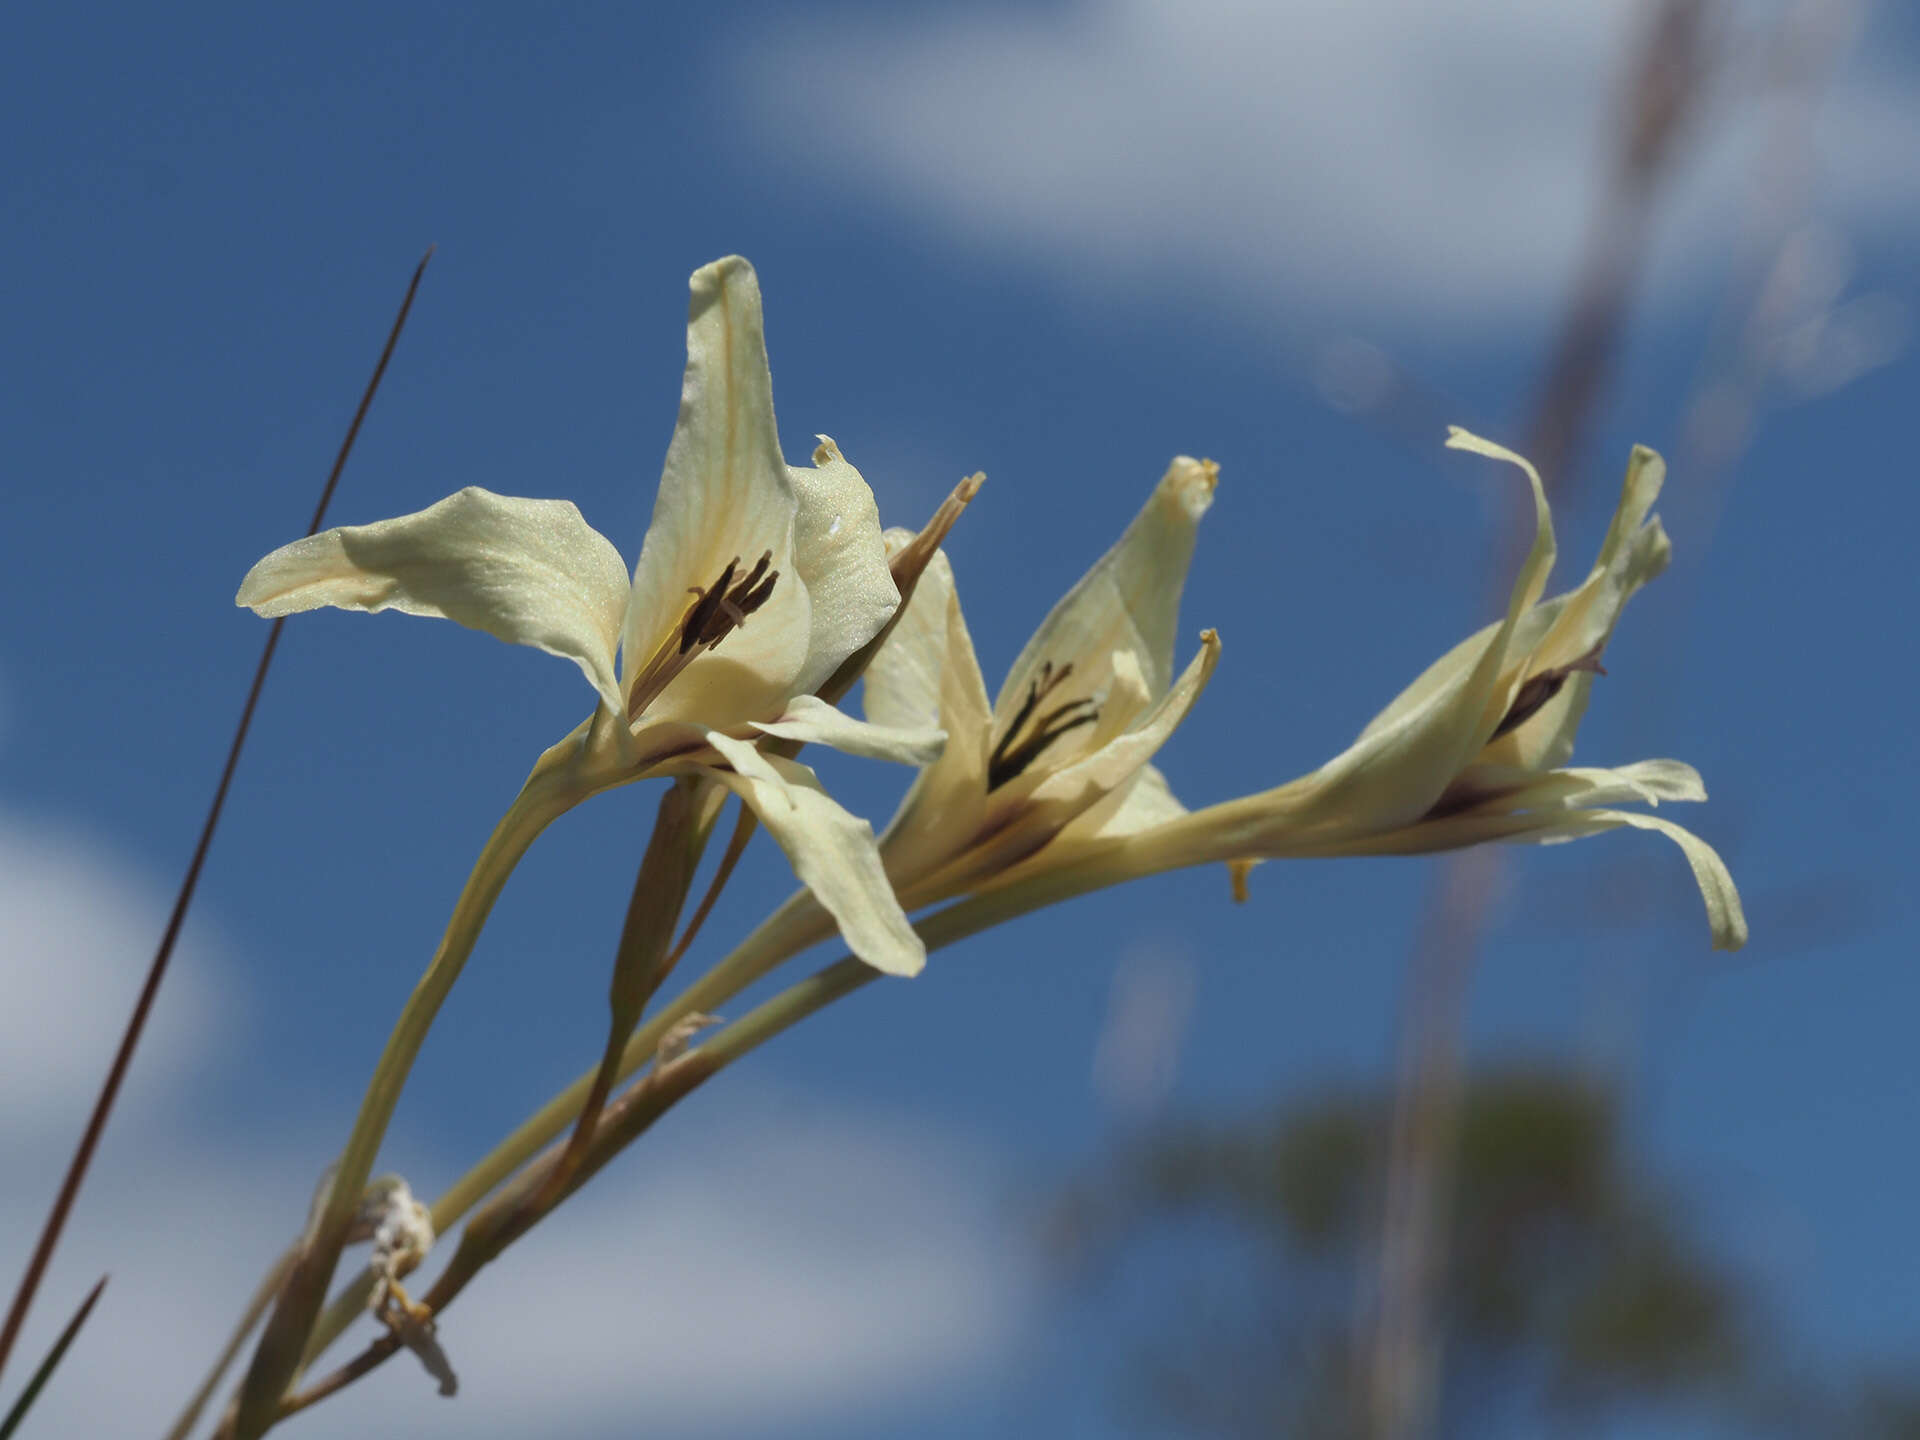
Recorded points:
1399,1355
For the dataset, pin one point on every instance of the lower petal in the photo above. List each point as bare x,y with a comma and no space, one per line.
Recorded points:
1710,873
832,852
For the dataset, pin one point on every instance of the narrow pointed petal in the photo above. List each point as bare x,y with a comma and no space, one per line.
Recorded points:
832,852
841,558
1411,751
812,721
1582,621
724,493
531,572
1128,601
1724,912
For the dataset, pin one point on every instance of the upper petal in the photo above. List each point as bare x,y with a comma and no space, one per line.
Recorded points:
724,493
1412,750
840,556
1580,622
532,572
1129,601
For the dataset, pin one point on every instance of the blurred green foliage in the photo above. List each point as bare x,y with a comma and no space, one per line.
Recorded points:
1577,1298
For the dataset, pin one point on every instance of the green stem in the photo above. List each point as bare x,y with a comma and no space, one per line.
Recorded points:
550,791
795,925
510,1214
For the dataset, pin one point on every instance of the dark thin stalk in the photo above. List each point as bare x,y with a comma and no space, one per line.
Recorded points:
743,828
659,892
45,1372
156,972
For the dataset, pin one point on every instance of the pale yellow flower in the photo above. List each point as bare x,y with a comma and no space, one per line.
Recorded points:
756,579
1474,749
1087,703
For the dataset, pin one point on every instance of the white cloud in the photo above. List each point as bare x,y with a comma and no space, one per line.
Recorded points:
78,924
763,1260
1413,160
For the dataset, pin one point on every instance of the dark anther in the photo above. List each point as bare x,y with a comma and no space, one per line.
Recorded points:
1539,689
756,597
727,603
753,576
700,614
1014,754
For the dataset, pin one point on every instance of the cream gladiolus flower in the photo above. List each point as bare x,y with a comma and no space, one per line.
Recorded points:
1472,750
1087,703
755,581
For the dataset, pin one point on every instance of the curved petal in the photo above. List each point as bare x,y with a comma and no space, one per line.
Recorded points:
841,558
724,494
1516,790
531,572
1079,785
1581,622
812,721
1128,601
1724,911
832,853
1411,751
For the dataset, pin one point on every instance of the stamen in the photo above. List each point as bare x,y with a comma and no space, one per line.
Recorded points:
1013,755
717,610
1534,694
700,614
735,602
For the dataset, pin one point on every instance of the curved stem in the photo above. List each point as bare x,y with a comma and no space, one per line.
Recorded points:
795,925
506,1219
549,792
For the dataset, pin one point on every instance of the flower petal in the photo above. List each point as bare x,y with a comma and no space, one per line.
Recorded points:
1411,751
832,852
840,556
1142,803
1724,912
1579,623
724,493
812,721
531,572
926,674
1027,822
1078,786
1128,601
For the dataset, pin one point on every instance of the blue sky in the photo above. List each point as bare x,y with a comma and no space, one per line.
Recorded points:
1059,243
